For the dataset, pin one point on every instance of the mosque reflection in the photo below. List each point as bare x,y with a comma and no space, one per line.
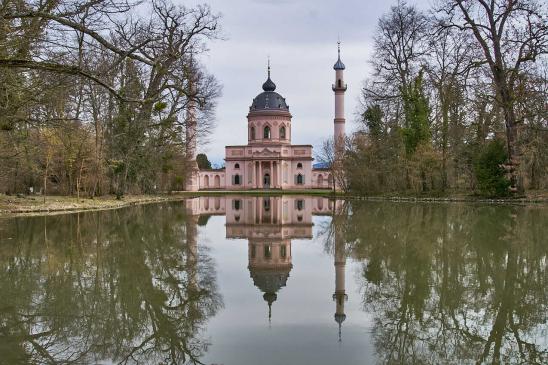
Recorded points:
270,224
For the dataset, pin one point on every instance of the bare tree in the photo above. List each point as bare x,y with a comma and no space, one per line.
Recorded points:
332,157
511,34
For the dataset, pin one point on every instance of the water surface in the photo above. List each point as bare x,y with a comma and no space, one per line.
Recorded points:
276,280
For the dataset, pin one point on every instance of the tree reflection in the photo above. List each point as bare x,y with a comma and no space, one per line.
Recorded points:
127,285
452,283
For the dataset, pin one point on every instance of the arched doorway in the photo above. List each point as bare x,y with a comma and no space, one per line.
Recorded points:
217,181
266,181
320,180
206,181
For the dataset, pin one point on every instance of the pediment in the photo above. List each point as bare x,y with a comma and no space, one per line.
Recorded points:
266,152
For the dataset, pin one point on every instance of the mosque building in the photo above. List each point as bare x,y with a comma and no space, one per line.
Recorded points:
269,160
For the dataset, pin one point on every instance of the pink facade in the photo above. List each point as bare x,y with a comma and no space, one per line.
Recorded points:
269,160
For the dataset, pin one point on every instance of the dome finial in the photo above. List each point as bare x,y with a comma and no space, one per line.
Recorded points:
268,63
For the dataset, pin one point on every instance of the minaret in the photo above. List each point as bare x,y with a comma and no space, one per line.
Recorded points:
192,180
340,293
339,88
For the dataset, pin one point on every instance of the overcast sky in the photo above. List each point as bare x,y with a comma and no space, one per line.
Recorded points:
301,38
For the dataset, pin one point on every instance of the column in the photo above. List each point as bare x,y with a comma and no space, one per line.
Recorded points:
271,172
280,170
260,174
274,175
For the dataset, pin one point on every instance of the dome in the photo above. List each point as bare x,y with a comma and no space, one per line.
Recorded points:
339,65
339,318
269,85
269,99
270,280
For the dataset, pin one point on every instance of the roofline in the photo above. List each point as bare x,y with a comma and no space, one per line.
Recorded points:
269,144
268,158
267,112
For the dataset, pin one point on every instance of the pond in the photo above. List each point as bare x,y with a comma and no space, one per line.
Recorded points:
277,280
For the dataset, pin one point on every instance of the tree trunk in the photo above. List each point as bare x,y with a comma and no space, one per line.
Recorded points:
507,106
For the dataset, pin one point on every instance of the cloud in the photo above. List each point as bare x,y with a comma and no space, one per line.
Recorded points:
300,36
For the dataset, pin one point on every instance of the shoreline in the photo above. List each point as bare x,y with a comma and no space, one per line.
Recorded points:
451,199
14,206
25,205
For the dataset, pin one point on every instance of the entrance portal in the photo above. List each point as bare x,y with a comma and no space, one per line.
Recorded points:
266,181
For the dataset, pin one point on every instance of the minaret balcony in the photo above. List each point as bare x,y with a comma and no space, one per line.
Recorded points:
338,88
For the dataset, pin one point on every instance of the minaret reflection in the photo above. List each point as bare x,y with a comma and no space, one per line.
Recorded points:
340,295
269,224
339,214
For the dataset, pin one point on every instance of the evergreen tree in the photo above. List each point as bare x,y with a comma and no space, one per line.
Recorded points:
202,161
372,118
489,172
415,107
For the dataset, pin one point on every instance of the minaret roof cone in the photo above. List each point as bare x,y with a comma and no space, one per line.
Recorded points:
339,65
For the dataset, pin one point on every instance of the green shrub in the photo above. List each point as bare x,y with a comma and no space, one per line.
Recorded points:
490,174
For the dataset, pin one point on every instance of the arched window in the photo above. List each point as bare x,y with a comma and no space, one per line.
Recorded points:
299,165
236,180
340,83
237,166
266,134
267,251
300,179
252,132
282,132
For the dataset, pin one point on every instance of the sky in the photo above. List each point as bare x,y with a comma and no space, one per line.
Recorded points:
300,36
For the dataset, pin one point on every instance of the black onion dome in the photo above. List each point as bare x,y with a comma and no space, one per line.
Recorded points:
269,85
